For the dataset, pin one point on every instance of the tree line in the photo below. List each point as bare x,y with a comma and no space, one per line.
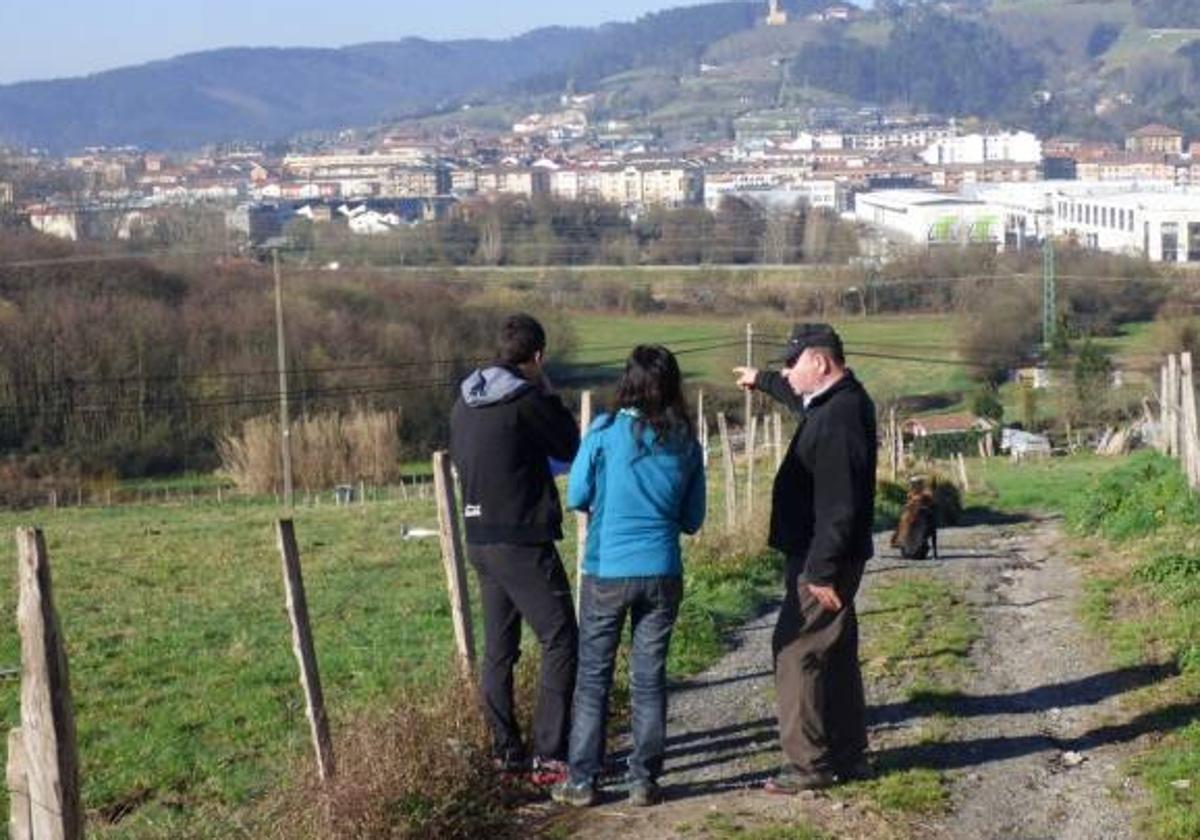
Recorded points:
513,231
131,367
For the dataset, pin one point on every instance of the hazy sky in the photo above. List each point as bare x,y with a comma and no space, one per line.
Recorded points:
42,40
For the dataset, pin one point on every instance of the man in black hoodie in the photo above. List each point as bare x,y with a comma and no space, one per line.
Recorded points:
822,513
505,427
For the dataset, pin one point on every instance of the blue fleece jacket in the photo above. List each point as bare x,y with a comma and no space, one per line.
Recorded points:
640,495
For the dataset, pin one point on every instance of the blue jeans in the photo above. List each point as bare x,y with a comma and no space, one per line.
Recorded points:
652,604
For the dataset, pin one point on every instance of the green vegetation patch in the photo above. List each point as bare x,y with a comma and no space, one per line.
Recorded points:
721,826
723,585
917,630
1036,485
914,791
1142,495
1172,774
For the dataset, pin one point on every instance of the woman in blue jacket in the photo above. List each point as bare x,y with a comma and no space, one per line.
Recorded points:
640,475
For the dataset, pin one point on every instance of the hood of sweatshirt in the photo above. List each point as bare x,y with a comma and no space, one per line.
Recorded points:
492,385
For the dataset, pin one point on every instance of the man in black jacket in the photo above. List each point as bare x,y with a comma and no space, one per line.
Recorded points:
822,513
505,427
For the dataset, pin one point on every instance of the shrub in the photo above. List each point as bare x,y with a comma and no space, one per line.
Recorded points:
422,769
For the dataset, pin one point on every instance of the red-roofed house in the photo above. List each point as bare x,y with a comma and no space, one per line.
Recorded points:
946,424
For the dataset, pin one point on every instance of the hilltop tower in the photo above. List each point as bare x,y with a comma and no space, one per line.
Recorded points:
776,16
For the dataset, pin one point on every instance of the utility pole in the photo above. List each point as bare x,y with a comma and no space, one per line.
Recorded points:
285,424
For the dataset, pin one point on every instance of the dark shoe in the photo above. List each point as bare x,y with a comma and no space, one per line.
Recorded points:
792,780
548,771
644,793
859,770
575,794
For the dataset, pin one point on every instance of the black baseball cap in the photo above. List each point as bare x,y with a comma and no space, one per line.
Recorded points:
809,335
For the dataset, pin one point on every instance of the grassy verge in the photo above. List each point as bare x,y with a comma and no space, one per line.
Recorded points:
1136,533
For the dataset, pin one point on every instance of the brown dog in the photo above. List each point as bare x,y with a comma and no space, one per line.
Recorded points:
917,529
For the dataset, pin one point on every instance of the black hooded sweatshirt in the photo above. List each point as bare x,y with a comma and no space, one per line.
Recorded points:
503,433
823,502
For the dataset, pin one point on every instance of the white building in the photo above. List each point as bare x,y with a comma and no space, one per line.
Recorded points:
1019,146
931,218
899,137
825,194
1162,226
1152,219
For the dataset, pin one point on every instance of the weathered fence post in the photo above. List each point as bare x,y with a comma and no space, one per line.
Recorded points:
1191,447
1161,443
893,436
20,818
455,563
47,713
581,517
964,479
304,648
730,484
749,392
702,426
1173,406
751,446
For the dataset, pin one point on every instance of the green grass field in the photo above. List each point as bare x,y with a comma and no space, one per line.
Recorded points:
184,681
894,355
604,340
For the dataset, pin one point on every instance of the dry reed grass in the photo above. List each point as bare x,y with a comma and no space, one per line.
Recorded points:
327,450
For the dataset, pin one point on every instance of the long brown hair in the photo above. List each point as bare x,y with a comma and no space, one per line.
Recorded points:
653,385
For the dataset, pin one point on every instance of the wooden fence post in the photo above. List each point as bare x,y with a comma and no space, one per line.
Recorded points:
964,479
581,517
455,563
894,441
751,447
304,648
47,713
1161,443
730,484
702,426
1173,405
20,818
1191,447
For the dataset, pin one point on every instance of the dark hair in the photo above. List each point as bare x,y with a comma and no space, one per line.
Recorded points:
653,385
521,338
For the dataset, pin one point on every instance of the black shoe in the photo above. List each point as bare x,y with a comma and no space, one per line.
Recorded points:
643,793
859,770
575,794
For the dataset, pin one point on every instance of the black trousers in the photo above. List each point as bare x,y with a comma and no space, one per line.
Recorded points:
818,681
526,582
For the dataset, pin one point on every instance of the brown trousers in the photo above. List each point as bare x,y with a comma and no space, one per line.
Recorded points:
818,682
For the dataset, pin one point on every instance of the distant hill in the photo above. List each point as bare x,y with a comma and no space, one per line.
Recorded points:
268,94
1095,67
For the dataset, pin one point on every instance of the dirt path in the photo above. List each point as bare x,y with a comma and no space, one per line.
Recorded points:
1032,749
